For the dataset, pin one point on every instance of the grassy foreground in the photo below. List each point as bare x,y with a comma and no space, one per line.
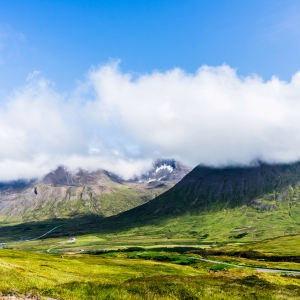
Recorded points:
135,275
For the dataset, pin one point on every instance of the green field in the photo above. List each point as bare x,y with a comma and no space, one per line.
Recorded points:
108,269
135,275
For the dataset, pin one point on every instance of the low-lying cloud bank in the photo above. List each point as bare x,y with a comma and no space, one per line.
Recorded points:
121,122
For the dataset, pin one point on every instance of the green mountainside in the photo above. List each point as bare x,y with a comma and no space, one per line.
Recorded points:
237,203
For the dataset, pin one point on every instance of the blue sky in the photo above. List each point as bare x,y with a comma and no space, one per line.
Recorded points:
63,39
117,84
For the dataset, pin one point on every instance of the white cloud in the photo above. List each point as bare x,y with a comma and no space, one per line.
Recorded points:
211,117
115,122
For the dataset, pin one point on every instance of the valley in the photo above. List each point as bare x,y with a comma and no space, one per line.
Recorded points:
230,233
149,150
153,272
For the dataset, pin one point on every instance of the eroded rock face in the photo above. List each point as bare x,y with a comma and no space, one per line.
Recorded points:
61,176
261,204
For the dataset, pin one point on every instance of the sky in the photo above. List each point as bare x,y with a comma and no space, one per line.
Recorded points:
117,84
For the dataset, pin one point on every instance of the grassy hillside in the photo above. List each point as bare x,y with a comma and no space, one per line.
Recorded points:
284,246
220,205
213,189
239,224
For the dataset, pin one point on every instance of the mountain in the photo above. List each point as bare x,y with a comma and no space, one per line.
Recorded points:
206,188
62,194
164,170
257,201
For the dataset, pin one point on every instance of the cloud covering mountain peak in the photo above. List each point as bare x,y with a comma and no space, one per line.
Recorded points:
122,121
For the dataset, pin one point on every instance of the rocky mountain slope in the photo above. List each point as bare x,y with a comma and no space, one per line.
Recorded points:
61,194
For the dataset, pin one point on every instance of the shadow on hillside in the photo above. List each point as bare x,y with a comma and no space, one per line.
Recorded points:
79,225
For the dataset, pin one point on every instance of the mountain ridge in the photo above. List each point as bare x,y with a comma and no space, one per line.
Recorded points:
62,194
221,201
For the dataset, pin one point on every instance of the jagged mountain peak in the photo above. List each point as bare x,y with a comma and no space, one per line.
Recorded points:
62,177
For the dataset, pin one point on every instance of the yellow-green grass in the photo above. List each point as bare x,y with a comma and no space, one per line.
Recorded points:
282,246
225,225
259,263
21,271
278,253
95,277
98,242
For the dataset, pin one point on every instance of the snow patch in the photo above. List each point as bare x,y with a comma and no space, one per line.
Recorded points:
164,166
150,180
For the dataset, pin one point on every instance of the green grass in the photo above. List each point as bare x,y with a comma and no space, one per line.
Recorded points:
287,245
158,272
228,224
237,225
132,276
21,271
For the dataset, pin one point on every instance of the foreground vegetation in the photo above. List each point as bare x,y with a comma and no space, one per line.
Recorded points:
135,274
158,270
